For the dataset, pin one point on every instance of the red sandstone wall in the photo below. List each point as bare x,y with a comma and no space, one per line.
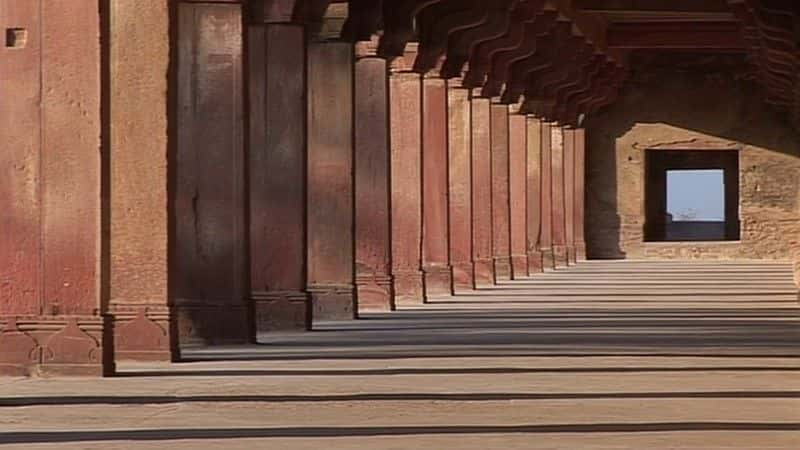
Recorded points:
696,105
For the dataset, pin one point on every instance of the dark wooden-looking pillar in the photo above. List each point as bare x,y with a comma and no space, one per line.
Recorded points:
208,265
405,92
569,193
51,312
138,296
277,157
483,256
580,193
331,275
501,213
518,168
534,196
372,189
435,249
557,193
460,145
546,230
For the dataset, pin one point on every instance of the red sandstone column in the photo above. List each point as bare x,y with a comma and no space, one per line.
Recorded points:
501,213
331,276
435,248
569,193
546,230
138,176
405,90
372,189
52,316
460,175
580,193
277,158
534,196
557,182
518,168
208,282
482,254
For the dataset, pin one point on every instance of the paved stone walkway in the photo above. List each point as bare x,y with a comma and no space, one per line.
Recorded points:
633,355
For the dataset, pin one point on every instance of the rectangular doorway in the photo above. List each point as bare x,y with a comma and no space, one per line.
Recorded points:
692,195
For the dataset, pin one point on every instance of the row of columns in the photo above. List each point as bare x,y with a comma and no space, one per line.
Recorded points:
253,190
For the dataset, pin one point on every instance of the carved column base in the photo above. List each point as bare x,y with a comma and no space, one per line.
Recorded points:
332,302
572,255
484,273
519,266
143,333
548,259
463,276
580,251
561,256
208,322
502,268
438,281
408,288
56,346
535,264
281,311
374,293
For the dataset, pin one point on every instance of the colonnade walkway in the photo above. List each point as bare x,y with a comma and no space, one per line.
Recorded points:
602,355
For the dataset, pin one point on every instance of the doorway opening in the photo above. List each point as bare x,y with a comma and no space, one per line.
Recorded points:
692,196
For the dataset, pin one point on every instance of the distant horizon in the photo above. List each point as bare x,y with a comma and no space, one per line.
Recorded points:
696,195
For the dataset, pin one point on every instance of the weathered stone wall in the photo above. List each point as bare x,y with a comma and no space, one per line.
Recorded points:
692,103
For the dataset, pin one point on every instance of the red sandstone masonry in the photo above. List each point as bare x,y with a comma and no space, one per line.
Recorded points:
406,175
501,208
482,192
518,165
460,181
372,189
435,226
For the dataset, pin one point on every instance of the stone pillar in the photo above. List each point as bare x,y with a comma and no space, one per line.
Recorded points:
534,196
482,254
518,168
208,262
501,212
138,146
460,175
331,276
51,314
372,189
557,195
277,159
580,193
546,229
435,227
405,92
569,193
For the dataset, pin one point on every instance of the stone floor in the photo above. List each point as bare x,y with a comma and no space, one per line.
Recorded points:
634,355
